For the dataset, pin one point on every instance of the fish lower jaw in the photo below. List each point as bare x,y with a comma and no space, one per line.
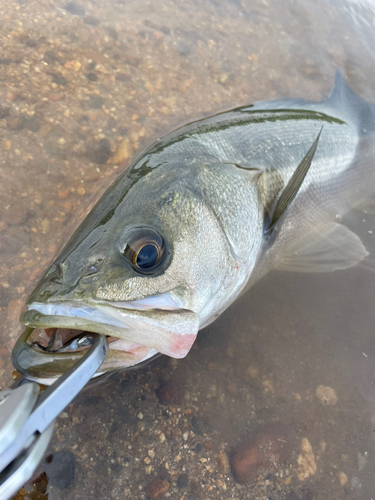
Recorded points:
168,331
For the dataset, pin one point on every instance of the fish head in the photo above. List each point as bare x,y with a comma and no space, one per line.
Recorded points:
148,267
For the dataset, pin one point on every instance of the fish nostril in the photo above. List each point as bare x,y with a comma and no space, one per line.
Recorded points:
91,270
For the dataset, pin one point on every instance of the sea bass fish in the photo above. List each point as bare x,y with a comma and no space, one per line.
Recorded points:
197,219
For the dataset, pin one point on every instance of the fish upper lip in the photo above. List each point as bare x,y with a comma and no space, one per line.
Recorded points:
170,330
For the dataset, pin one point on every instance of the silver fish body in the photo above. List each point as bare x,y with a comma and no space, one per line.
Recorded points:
182,232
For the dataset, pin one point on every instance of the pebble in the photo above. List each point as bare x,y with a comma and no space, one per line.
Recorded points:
169,392
99,152
59,79
200,425
15,123
183,480
326,395
60,468
75,9
4,112
91,20
157,488
32,123
306,461
270,444
93,77
223,463
122,77
122,152
343,478
112,32
95,102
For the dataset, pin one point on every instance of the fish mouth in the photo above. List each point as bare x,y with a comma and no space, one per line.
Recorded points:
136,331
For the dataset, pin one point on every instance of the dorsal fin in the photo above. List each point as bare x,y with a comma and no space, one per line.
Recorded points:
343,97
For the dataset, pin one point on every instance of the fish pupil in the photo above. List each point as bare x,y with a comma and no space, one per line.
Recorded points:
147,256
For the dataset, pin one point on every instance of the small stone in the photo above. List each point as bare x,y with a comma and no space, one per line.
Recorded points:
140,426
148,469
169,392
112,32
32,123
161,437
140,416
185,436
343,478
92,21
75,9
253,371
60,468
223,78
151,453
50,56
4,112
74,65
99,152
45,225
163,474
200,425
232,388
223,463
122,77
156,488
269,445
183,480
59,79
93,77
122,152
95,102
268,387
15,123
306,461
54,97
81,191
326,395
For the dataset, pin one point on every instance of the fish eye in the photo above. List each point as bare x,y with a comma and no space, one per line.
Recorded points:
144,248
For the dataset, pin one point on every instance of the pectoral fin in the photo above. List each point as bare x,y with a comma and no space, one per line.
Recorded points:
271,183
327,248
291,189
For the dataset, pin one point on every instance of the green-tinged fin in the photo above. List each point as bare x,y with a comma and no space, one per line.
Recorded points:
292,188
325,249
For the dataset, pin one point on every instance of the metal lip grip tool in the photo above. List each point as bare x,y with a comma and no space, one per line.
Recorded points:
27,418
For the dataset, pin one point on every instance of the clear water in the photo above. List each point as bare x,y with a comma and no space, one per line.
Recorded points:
77,81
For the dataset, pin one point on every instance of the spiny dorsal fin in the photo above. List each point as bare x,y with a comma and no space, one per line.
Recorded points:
292,188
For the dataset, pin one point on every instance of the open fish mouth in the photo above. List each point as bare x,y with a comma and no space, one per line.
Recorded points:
136,331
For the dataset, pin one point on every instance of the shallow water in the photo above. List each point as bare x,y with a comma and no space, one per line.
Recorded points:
86,86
